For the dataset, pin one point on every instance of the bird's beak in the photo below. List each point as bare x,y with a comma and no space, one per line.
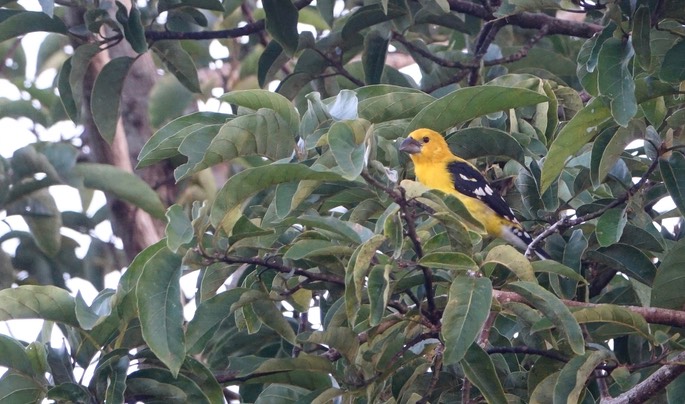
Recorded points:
410,146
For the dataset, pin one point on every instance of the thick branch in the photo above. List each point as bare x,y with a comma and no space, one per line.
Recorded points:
530,20
653,384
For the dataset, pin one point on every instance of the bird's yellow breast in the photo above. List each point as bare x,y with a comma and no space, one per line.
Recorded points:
437,176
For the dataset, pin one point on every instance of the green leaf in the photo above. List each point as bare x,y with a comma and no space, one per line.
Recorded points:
673,173
367,16
343,339
555,310
226,209
449,260
256,99
669,282
264,133
271,316
471,102
17,388
609,313
14,356
104,102
356,274
516,262
477,142
673,67
281,23
166,141
346,140
99,310
142,382
209,316
38,302
15,23
160,110
161,313
642,24
582,128
65,91
608,147
179,229
610,226
379,292
391,106
121,184
468,306
554,267
80,62
574,375
615,79
135,32
279,393
271,59
44,220
373,56
481,371
627,259
178,62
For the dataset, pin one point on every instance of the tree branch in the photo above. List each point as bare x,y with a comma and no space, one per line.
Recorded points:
566,222
247,29
646,389
267,263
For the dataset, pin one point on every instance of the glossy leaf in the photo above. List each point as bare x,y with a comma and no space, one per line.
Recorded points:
161,313
627,259
673,173
667,289
615,80
471,143
610,226
346,142
373,57
572,379
256,99
449,260
179,230
642,22
38,302
122,184
514,261
480,370
281,23
367,16
555,310
468,306
104,101
17,388
178,62
575,134
226,208
18,23
673,68
471,102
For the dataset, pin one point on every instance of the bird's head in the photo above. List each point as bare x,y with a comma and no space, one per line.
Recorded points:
425,145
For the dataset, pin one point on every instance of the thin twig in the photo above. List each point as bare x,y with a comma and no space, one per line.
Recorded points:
567,222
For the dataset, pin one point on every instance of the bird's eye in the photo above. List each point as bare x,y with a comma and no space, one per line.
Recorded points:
426,139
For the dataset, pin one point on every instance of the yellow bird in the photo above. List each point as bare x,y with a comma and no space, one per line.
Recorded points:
436,167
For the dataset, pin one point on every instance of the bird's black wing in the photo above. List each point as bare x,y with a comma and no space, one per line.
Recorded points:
471,182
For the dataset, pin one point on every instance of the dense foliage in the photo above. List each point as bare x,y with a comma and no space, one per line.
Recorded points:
324,272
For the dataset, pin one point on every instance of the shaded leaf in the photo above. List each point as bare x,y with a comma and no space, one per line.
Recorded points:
281,23
104,102
471,102
555,310
468,306
178,62
158,297
38,302
121,184
480,370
